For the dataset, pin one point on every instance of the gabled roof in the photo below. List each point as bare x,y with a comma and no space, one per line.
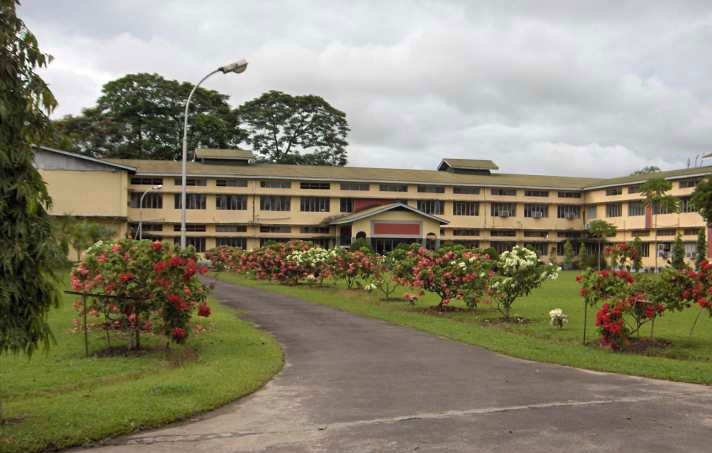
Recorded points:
119,165
370,212
639,179
468,164
224,154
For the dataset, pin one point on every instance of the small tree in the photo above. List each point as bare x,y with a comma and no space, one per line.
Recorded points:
552,255
600,230
700,248
83,233
655,197
582,256
637,245
701,199
568,254
678,254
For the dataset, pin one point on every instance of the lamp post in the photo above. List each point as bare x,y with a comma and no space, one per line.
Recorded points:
139,233
237,67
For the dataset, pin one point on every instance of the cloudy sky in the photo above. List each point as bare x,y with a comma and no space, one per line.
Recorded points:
581,88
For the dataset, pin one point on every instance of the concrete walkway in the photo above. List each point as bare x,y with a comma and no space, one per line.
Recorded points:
361,385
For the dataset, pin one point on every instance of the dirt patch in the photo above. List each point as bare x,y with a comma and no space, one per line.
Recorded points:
119,351
647,346
506,322
439,310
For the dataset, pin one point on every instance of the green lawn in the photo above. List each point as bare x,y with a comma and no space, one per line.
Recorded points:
61,399
688,359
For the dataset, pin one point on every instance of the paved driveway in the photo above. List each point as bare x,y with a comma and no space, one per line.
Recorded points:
362,385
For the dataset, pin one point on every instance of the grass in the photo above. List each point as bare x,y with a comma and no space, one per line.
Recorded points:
61,399
687,359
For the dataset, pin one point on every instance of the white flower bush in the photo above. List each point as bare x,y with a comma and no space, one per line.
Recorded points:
316,261
518,272
557,318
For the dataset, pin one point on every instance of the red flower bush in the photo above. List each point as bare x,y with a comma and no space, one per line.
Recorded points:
225,258
611,325
355,266
154,287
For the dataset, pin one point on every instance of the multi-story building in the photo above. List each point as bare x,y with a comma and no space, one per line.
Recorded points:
232,200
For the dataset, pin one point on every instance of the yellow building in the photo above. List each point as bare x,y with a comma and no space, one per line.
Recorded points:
232,200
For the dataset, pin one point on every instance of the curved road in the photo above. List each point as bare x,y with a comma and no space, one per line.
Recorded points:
362,385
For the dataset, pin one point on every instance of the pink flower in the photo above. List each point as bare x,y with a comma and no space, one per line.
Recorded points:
115,248
203,310
156,245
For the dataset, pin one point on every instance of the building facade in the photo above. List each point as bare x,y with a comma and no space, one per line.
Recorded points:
232,200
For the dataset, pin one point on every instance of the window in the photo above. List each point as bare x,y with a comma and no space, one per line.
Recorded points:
275,229
240,243
503,209
191,182
469,208
645,249
146,181
690,250
536,193
569,194
270,184
536,234
222,228
614,209
192,201
465,232
274,203
614,191
658,209
315,229
503,233
591,212
692,231
146,228
152,200
568,234
634,189
362,186
431,189
347,205
315,185
636,208
314,204
431,206
503,192
538,247
502,246
231,182
687,183
536,210
570,212
670,232
640,233
231,202
686,205
393,188
196,242
192,227
466,190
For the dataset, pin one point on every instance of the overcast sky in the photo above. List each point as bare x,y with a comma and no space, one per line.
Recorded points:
593,88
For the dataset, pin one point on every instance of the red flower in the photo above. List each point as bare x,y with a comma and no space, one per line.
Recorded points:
159,266
203,310
156,245
126,277
179,334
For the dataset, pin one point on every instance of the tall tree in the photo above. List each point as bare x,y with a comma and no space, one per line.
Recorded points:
28,285
700,248
677,259
646,170
141,116
568,254
655,197
294,129
638,256
582,257
600,230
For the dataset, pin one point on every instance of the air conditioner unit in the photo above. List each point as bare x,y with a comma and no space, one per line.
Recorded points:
504,214
537,215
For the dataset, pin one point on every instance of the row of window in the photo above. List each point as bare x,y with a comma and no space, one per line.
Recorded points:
637,208
683,184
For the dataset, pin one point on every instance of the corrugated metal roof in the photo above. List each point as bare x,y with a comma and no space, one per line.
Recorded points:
226,154
350,218
638,179
361,174
469,164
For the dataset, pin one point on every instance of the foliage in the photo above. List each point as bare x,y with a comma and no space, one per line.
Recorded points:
568,254
582,257
316,262
355,266
677,259
225,258
295,129
361,244
403,259
28,284
600,230
155,286
637,256
646,170
384,279
622,255
557,318
141,116
270,262
700,248
518,272
701,199
452,273
552,255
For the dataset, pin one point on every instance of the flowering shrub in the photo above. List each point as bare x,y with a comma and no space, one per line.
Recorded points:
355,266
622,255
155,284
452,273
270,262
611,325
225,258
557,318
519,271
317,263
384,279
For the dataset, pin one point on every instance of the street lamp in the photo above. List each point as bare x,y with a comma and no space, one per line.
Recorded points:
139,233
237,67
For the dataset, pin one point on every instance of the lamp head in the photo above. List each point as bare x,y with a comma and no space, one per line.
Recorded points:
236,67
